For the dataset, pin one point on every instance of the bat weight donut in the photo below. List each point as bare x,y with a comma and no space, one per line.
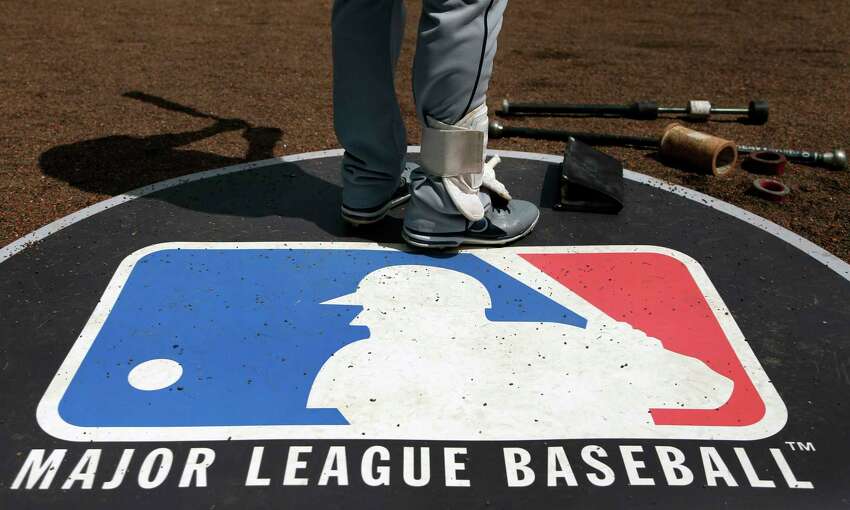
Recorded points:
771,189
765,162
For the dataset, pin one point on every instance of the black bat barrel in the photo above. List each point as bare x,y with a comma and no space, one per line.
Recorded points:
598,139
642,110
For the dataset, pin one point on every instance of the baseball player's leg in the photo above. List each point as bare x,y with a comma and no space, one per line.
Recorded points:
367,38
454,61
454,56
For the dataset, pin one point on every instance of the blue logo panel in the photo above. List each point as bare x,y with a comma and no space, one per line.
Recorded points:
250,332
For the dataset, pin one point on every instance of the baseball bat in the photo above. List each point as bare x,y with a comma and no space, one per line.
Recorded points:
497,130
835,160
757,112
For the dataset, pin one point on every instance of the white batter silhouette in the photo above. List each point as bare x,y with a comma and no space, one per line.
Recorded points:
435,367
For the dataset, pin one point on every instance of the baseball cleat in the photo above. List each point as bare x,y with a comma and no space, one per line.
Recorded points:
499,226
368,215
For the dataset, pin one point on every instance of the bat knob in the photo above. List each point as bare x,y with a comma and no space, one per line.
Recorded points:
495,130
506,106
837,159
758,112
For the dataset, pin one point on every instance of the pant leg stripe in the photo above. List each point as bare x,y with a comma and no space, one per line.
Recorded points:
480,62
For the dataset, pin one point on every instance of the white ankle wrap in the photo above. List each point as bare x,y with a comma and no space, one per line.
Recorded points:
455,152
451,151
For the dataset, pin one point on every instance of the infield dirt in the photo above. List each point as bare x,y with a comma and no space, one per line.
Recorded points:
72,135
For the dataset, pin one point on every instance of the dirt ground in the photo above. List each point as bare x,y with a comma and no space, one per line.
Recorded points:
84,84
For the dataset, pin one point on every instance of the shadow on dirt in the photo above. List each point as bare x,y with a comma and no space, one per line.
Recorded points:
117,164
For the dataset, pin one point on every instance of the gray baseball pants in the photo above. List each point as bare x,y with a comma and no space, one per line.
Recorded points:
451,73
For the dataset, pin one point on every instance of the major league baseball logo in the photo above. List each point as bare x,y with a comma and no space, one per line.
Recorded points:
213,341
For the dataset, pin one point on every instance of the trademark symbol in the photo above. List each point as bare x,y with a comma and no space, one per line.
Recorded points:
797,446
